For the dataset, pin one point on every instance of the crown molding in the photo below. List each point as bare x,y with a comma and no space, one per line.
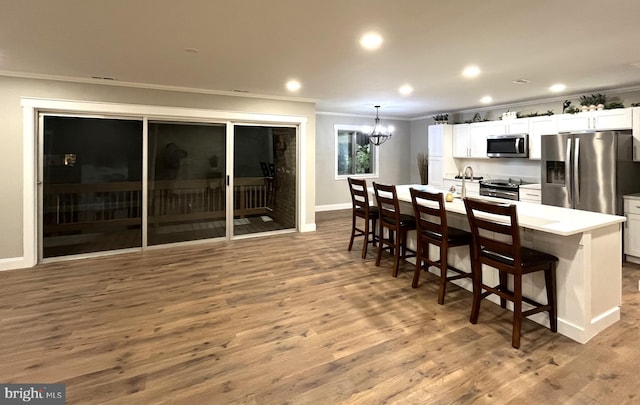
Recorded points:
72,79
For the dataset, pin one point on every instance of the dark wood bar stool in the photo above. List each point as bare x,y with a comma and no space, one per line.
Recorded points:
432,229
509,257
397,225
362,209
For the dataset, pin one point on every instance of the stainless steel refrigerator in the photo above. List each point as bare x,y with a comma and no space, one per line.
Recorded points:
589,170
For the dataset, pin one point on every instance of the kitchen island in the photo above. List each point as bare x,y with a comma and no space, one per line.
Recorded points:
587,244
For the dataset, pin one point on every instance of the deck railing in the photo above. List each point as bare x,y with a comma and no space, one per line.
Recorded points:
72,206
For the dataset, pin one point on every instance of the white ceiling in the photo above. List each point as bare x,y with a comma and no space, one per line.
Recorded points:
257,45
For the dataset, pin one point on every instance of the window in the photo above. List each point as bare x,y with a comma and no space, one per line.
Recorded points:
355,156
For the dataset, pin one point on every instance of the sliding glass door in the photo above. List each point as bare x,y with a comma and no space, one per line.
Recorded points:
91,194
106,187
187,182
264,179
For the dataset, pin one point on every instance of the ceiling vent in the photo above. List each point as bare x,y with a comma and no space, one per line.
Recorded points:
522,81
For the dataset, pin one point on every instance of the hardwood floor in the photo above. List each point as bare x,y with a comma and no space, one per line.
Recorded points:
295,319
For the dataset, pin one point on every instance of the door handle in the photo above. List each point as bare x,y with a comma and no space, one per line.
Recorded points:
576,171
567,171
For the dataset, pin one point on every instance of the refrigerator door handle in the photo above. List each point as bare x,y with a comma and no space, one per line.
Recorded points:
576,171
567,170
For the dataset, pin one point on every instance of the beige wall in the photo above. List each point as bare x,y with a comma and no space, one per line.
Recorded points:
395,165
11,133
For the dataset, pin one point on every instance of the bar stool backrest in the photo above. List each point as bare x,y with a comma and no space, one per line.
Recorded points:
359,194
431,216
501,220
387,200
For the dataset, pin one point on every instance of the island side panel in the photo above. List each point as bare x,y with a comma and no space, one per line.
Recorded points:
606,277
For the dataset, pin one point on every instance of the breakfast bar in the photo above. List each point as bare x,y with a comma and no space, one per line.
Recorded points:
589,272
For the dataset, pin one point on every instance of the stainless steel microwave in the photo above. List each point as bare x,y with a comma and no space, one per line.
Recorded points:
508,146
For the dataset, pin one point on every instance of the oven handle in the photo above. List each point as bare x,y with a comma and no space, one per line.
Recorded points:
492,192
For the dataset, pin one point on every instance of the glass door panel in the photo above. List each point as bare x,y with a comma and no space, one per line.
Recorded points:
187,182
264,179
91,192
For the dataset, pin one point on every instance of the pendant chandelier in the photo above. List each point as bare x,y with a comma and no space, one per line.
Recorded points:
380,134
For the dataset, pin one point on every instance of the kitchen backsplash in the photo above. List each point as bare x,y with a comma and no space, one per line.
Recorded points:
528,170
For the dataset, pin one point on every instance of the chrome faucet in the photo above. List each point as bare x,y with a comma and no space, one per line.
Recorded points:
464,176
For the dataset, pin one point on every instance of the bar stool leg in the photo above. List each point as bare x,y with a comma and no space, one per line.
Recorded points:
353,230
504,286
366,238
517,310
420,253
443,274
380,244
476,270
550,285
397,252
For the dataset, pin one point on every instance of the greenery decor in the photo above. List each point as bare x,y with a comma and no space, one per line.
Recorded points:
593,99
535,114
441,118
613,105
572,110
635,104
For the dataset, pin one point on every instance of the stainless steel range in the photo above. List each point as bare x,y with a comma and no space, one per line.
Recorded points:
507,189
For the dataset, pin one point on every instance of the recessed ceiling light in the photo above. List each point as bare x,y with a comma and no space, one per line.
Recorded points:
293,85
371,41
471,71
486,99
191,50
558,87
405,89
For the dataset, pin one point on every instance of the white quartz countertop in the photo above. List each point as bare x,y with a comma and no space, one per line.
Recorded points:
545,218
537,186
635,196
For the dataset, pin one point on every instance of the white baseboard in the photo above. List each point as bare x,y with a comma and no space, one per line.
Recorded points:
13,263
333,207
632,259
308,228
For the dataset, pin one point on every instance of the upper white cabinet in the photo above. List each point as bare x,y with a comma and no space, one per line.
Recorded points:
619,118
478,140
506,127
470,140
636,133
539,126
440,154
439,140
461,140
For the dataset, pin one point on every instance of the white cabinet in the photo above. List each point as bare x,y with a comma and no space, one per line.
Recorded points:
636,133
619,118
435,172
455,186
539,126
439,140
531,194
440,154
632,227
470,140
461,140
506,127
